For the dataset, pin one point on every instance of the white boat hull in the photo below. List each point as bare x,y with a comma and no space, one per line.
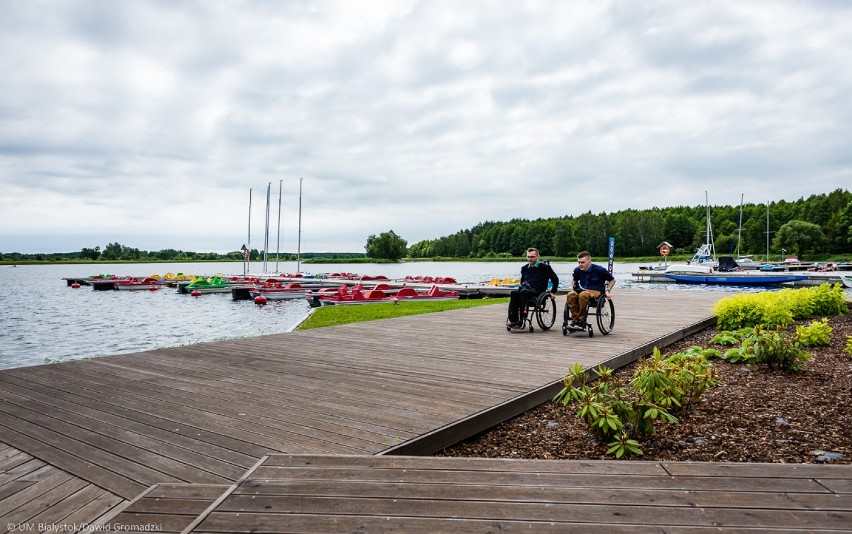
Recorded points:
689,269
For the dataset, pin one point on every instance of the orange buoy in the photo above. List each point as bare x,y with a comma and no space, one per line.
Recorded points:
260,299
75,285
196,293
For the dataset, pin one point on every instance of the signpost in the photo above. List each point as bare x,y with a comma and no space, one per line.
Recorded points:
611,252
665,249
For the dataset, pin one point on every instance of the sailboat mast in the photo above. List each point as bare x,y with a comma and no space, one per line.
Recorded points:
299,241
278,245
767,232
740,227
247,259
266,232
710,249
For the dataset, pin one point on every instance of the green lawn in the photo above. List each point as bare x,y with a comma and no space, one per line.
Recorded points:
335,315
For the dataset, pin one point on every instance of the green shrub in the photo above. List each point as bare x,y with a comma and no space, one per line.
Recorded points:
848,348
776,349
659,388
815,334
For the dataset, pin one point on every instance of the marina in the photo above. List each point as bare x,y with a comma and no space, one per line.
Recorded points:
206,437
51,321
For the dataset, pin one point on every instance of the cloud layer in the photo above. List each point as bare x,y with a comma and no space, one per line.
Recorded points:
148,122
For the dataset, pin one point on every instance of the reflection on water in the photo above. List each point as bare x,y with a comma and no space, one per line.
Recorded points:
42,318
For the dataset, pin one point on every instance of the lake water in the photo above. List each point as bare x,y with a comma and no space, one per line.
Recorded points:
42,318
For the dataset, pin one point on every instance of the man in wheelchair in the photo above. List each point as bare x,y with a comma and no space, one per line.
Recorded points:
590,281
534,277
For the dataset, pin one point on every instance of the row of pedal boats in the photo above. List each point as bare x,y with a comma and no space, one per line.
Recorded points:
319,290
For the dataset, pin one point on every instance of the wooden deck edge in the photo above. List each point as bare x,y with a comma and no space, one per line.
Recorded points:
467,427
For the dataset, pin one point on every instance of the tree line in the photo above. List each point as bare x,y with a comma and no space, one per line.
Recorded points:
819,224
118,252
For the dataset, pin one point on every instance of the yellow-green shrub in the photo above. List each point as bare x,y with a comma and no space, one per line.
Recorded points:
777,309
816,333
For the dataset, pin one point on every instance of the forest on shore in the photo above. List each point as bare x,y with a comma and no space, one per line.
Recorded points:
820,224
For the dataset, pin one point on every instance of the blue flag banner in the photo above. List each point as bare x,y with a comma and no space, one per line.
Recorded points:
611,253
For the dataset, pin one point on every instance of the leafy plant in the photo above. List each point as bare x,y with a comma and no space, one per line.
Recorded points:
731,337
815,334
624,444
659,388
848,348
775,349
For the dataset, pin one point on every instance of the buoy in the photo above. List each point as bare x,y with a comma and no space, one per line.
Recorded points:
195,293
153,288
75,285
260,299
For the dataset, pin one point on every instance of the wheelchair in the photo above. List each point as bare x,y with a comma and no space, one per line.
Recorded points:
604,311
542,309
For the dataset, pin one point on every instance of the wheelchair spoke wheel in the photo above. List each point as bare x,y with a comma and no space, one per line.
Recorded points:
545,313
606,316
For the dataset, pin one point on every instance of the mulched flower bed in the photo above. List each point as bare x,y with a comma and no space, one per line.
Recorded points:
751,415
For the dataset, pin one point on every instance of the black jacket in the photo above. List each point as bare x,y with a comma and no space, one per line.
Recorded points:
537,275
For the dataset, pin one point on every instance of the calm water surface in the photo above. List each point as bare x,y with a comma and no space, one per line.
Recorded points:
42,318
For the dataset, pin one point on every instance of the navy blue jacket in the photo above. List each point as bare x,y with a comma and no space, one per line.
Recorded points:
536,276
595,278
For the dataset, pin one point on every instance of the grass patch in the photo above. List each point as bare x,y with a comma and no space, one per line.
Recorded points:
336,315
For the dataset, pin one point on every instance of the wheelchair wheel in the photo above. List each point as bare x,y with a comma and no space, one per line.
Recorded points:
606,315
545,311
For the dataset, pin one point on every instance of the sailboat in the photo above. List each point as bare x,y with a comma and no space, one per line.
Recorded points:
704,260
744,262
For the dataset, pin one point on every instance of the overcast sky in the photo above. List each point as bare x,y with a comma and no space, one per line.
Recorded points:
147,122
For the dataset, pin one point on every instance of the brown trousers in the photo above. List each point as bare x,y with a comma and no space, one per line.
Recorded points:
577,303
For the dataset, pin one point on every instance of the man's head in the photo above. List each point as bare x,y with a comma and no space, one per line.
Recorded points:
532,255
584,260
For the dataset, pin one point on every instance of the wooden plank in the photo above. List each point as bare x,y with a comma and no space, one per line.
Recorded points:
188,491
508,465
328,524
502,478
529,491
525,511
742,469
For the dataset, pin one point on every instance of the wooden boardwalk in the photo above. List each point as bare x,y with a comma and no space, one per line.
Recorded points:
204,415
324,494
